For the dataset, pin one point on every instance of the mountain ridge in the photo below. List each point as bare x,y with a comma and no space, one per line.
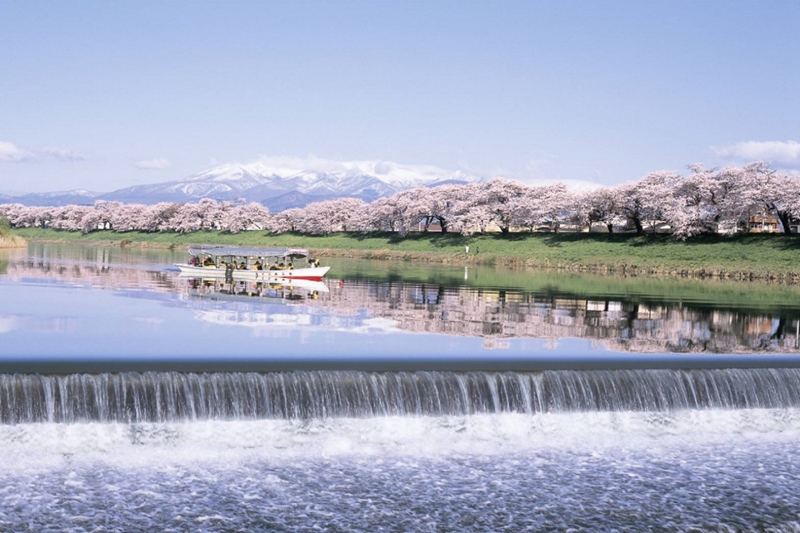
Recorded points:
251,183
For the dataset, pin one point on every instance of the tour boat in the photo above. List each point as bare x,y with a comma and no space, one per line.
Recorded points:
237,263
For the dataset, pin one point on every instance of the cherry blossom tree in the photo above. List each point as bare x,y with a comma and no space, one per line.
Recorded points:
601,205
708,201
331,215
792,201
130,217
648,201
248,216
159,217
426,205
383,214
413,210
704,201
203,215
546,205
771,192
288,220
19,216
465,207
472,209
504,199
68,217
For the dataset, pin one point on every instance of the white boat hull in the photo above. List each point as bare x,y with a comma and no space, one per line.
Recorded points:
310,274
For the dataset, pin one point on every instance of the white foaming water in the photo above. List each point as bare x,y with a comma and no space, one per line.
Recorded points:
683,470
34,446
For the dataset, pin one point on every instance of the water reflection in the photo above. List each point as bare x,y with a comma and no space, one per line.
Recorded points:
500,315
679,320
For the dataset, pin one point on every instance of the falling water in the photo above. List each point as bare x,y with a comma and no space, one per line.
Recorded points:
174,397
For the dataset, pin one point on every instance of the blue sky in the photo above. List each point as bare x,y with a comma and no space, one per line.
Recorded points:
103,95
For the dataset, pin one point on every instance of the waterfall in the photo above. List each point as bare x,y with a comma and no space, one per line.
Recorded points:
174,396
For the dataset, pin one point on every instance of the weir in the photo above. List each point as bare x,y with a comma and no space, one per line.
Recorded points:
174,397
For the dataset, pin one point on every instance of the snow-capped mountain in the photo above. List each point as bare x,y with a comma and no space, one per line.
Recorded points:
228,182
259,183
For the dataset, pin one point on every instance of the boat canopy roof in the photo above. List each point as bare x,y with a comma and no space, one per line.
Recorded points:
243,251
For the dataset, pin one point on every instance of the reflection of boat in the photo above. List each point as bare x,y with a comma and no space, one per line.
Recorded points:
276,290
236,263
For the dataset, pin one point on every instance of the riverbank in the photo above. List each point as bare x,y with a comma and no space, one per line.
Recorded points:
741,257
12,241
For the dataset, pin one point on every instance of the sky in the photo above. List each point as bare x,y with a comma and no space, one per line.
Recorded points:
105,95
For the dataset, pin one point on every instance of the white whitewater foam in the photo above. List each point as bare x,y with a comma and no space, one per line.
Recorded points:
33,446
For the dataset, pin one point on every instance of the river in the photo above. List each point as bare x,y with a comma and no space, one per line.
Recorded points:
395,397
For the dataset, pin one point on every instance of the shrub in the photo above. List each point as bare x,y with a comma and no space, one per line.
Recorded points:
5,226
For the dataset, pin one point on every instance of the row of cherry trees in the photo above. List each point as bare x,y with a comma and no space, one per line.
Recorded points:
207,214
703,201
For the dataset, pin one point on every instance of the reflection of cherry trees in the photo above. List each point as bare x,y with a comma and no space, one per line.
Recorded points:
492,314
704,201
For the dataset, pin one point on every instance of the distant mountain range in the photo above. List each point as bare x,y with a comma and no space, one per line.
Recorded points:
251,183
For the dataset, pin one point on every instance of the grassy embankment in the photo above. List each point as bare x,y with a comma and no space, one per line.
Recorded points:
770,257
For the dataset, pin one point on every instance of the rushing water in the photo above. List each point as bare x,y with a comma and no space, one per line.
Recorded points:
188,397
639,436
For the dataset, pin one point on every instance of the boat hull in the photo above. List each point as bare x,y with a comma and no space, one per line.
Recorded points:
310,274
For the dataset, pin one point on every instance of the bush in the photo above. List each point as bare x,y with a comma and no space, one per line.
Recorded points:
5,226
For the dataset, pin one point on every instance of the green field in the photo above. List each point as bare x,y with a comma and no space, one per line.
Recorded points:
742,256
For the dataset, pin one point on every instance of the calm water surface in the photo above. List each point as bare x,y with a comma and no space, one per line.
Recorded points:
67,302
489,414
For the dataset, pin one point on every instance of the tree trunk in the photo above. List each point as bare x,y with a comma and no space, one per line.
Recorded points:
783,216
638,224
610,227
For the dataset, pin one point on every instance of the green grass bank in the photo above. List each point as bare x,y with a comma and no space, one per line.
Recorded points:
763,257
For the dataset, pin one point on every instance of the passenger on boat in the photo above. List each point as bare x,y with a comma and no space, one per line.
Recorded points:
273,266
258,266
208,262
290,267
242,266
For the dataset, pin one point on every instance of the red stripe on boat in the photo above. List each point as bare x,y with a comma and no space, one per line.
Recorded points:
307,278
